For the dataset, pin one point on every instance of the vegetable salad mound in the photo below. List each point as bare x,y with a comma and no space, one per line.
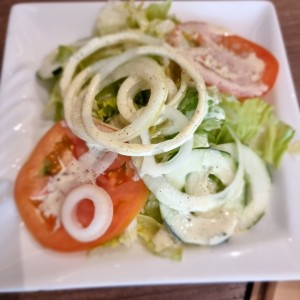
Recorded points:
160,135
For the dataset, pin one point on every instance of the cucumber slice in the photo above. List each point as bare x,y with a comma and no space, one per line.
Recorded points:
217,225
237,214
168,195
204,162
208,228
259,185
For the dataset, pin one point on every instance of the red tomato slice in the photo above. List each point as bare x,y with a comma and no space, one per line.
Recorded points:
235,65
128,194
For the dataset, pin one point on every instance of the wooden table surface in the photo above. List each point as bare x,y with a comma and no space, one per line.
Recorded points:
289,16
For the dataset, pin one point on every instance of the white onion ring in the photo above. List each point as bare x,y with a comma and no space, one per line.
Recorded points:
150,167
125,98
109,142
179,120
150,71
98,43
174,101
172,89
171,197
102,217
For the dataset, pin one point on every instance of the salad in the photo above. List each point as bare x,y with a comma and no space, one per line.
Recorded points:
160,134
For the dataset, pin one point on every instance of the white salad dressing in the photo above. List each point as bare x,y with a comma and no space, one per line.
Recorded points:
84,170
240,74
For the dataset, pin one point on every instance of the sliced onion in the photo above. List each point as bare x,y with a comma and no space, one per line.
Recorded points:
210,228
151,72
96,44
110,141
151,167
74,98
103,214
175,199
125,98
172,89
176,99
177,118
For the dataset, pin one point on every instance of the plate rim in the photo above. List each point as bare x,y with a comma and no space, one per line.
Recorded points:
20,6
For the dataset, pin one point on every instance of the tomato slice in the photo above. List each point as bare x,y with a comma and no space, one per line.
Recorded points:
235,65
128,194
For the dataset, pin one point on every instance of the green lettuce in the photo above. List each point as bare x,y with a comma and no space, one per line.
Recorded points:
99,55
157,239
126,239
64,53
189,102
119,16
213,120
294,148
105,105
54,106
253,121
151,209
158,10
256,125
215,115
150,231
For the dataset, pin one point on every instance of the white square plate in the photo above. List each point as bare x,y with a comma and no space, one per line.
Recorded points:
270,251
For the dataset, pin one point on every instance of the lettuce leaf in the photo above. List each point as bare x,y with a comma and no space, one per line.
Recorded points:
119,16
189,102
157,239
105,105
54,106
64,53
253,121
151,209
129,236
294,148
256,125
213,120
158,10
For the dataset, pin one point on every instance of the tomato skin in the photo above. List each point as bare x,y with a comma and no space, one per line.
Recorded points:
30,183
223,45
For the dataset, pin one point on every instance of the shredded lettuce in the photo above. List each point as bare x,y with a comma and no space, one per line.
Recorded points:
213,120
64,53
112,18
54,107
215,116
99,55
55,61
129,236
253,121
189,101
105,105
151,209
256,125
294,148
200,140
154,236
158,10
119,16
157,239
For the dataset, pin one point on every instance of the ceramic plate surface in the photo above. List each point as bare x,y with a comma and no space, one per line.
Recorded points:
270,251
